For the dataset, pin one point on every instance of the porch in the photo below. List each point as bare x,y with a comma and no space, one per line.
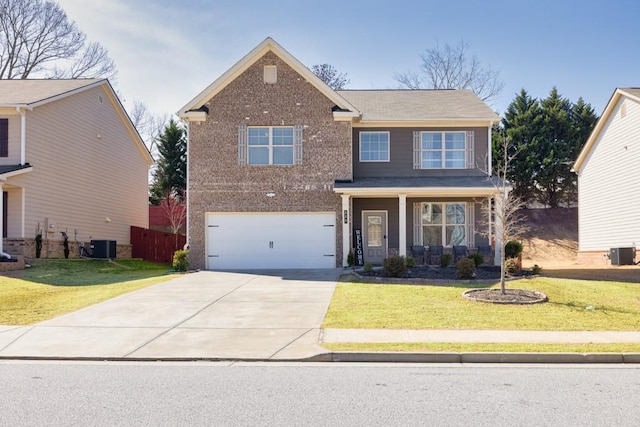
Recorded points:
390,216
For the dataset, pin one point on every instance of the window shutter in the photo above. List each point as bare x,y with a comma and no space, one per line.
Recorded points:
417,223
297,145
416,150
242,145
470,150
471,225
4,137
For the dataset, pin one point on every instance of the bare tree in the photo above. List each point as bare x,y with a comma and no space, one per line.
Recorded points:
175,212
37,38
452,67
328,74
508,223
149,125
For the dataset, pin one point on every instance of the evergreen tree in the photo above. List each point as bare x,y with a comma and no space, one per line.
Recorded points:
170,177
554,149
520,123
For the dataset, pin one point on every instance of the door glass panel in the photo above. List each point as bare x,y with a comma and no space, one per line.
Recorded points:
374,231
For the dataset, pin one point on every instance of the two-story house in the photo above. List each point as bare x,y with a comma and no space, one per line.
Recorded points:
71,162
282,169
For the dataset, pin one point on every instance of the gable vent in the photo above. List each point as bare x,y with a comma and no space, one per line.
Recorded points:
270,74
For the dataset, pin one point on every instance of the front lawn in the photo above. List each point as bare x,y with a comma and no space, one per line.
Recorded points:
573,305
54,287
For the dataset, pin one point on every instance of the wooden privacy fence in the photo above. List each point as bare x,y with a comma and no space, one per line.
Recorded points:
155,246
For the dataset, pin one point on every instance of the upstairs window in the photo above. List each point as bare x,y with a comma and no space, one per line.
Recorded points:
443,150
270,145
374,146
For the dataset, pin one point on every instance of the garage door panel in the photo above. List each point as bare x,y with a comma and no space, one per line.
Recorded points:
270,240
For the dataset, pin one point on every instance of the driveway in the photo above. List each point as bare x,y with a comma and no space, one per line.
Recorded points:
271,314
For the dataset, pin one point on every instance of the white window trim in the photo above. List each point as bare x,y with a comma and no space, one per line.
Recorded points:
443,150
388,147
270,146
465,225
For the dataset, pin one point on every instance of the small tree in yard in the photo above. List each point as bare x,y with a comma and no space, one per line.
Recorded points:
175,212
508,223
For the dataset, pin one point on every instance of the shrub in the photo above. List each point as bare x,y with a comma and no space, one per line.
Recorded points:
511,266
466,268
410,261
445,260
395,266
536,269
351,259
512,249
180,260
368,268
478,258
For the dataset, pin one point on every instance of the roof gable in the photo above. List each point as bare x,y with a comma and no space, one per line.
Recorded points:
630,93
268,45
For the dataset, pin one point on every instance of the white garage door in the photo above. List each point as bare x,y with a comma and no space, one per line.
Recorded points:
271,240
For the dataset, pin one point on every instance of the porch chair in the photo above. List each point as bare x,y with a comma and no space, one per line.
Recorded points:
435,251
459,252
417,252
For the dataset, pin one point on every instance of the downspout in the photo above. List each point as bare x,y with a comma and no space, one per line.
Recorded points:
2,252
23,134
187,195
489,150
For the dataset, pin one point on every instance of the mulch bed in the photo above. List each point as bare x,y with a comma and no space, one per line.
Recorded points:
432,272
511,296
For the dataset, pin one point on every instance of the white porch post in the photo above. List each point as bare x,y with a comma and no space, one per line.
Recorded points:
402,221
346,231
23,135
499,201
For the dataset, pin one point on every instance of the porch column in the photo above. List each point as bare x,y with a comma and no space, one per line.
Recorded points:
346,231
402,222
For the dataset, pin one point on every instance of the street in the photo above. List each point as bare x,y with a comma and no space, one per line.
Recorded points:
202,393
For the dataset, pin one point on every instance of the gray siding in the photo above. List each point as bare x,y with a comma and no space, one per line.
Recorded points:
400,163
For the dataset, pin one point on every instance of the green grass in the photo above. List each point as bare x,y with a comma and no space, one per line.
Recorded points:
484,347
54,287
378,306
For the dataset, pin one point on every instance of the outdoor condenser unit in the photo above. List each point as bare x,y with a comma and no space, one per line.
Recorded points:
103,249
622,256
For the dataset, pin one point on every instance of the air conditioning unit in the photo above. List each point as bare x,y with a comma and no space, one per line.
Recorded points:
103,249
622,256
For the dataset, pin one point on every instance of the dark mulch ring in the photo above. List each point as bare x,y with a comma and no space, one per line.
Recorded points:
446,273
511,296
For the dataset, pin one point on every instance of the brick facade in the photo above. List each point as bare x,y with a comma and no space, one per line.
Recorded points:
218,184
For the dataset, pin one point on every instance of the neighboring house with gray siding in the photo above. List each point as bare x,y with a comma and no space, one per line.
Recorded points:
608,177
282,169
70,161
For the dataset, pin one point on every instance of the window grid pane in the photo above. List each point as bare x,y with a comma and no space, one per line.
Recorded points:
374,146
450,155
270,145
448,229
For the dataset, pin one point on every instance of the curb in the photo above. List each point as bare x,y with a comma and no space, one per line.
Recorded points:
381,357
549,358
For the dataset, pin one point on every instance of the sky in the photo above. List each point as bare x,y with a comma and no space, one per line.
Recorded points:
167,51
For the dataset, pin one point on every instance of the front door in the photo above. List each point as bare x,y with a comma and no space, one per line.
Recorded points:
374,225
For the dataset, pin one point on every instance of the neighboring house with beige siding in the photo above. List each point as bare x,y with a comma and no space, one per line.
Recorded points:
70,161
608,171
282,169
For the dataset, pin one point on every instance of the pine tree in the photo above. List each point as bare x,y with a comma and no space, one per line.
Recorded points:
170,177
